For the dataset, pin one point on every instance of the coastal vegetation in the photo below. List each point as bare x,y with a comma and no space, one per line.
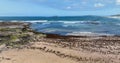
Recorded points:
15,37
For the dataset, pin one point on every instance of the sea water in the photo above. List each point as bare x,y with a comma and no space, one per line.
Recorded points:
72,25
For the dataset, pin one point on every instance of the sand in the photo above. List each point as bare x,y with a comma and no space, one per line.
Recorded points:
34,55
31,56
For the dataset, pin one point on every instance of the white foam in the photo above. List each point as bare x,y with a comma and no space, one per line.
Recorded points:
88,34
69,22
65,22
81,22
1,21
116,17
73,22
35,21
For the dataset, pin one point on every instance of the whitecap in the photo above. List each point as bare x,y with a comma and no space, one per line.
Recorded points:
88,34
36,21
69,22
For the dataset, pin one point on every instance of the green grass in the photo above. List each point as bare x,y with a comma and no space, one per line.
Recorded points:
18,36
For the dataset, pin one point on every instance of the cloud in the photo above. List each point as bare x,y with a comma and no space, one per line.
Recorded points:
69,7
75,4
99,5
118,2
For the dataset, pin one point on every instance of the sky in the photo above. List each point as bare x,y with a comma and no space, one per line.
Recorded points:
59,7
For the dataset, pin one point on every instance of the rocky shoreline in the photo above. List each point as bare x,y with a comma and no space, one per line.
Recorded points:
22,37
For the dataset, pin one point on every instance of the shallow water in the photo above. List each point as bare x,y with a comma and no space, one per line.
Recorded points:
78,27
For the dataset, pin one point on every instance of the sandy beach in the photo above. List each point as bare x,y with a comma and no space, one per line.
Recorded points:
31,56
59,31
50,48
46,52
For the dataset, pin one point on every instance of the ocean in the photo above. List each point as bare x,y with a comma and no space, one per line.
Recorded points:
71,25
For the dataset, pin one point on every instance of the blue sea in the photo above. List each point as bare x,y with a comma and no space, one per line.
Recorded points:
72,25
